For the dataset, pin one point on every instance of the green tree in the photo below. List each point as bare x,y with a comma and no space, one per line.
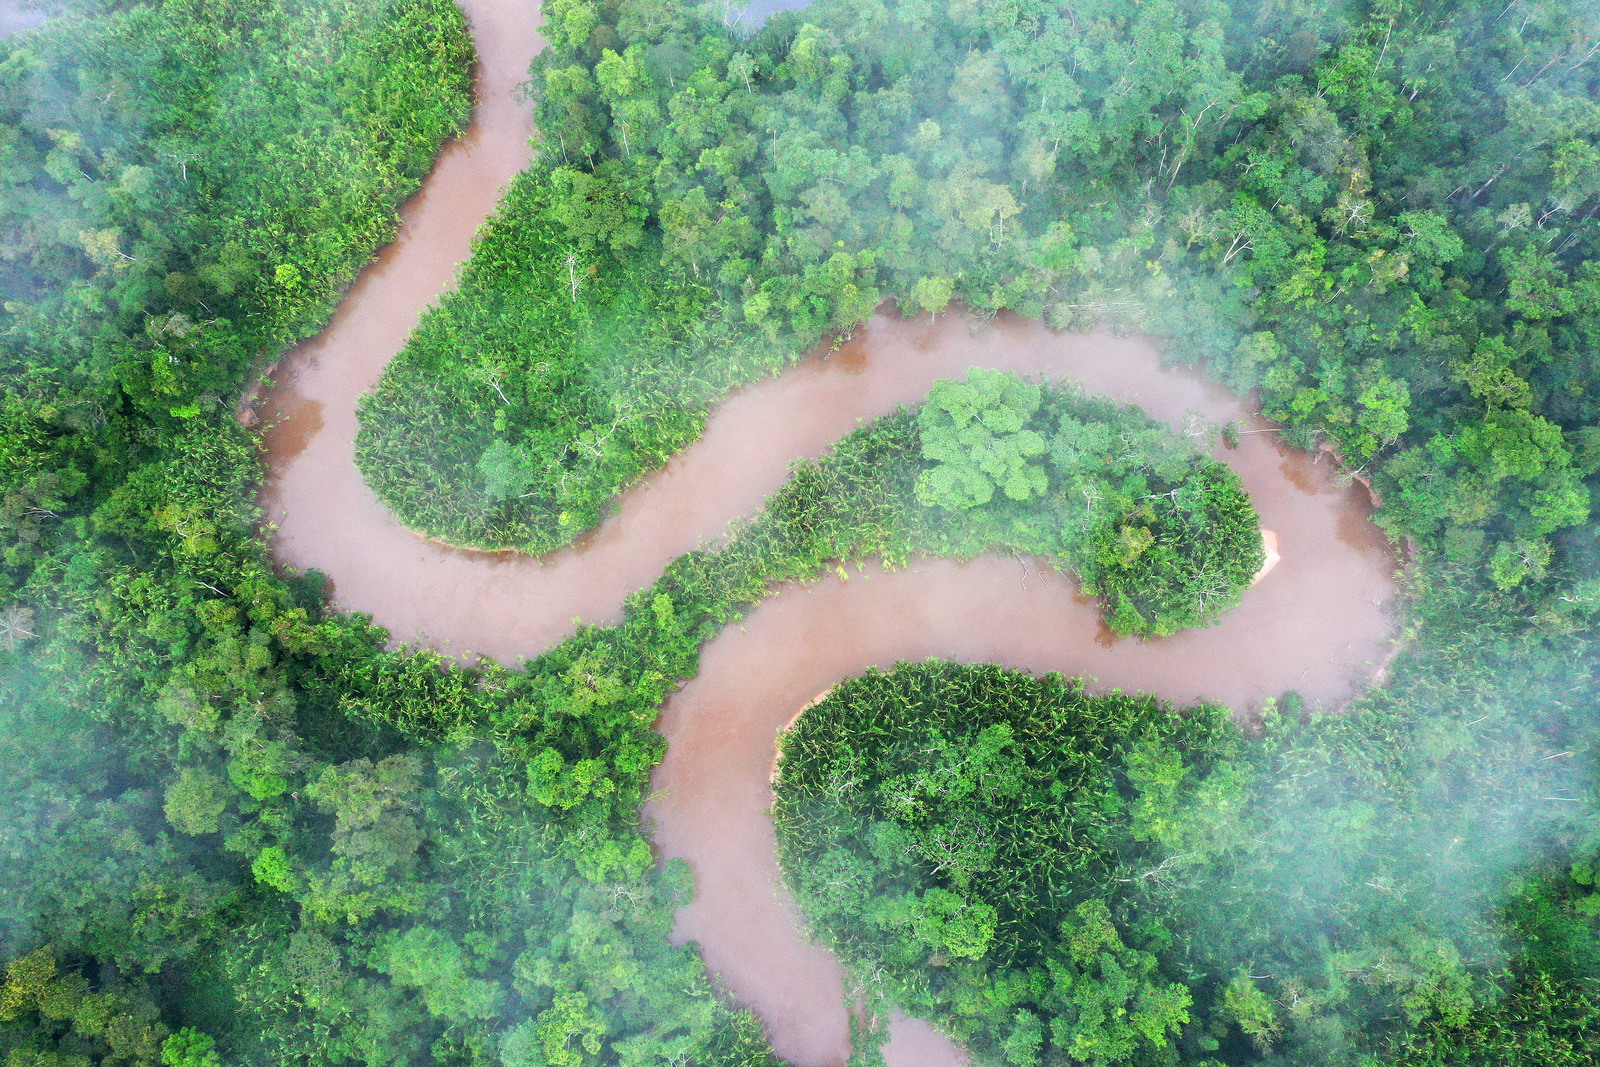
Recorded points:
1109,1003
190,1048
931,295
429,961
567,1034
507,470
951,924
196,800
375,838
1249,1006
977,433
597,208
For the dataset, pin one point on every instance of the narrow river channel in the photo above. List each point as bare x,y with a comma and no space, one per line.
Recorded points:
1317,623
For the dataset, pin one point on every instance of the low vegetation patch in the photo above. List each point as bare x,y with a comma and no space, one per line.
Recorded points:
544,385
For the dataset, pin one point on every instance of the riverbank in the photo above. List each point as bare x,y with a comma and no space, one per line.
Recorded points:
1309,625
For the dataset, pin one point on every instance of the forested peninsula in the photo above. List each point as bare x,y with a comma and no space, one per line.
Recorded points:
242,826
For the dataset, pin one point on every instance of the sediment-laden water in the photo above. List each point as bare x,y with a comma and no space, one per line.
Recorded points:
1316,623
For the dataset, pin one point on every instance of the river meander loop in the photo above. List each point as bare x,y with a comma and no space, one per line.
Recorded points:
1317,623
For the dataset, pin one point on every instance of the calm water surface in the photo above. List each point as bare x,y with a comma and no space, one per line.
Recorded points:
1317,623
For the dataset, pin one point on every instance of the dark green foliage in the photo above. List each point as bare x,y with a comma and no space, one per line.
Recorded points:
1165,536
600,368
119,1021
1381,217
1328,891
223,842
1540,1021
954,831
163,231
237,829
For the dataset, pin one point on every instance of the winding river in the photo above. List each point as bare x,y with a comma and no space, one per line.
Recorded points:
1317,623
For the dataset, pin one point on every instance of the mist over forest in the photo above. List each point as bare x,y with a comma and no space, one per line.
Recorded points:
242,823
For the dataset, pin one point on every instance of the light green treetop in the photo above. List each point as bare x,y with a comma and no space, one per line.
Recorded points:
976,430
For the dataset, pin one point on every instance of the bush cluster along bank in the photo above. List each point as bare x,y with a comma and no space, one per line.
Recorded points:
238,830
528,398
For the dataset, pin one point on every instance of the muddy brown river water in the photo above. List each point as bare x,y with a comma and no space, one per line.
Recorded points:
1317,623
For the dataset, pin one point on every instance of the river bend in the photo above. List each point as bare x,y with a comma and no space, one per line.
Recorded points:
1318,622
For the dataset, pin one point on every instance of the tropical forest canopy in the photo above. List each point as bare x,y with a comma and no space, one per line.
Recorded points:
1099,880
1380,218
238,829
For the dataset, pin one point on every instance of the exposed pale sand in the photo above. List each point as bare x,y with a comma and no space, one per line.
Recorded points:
777,745
1269,547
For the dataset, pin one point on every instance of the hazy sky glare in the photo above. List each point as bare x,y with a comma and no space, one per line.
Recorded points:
25,14
756,11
